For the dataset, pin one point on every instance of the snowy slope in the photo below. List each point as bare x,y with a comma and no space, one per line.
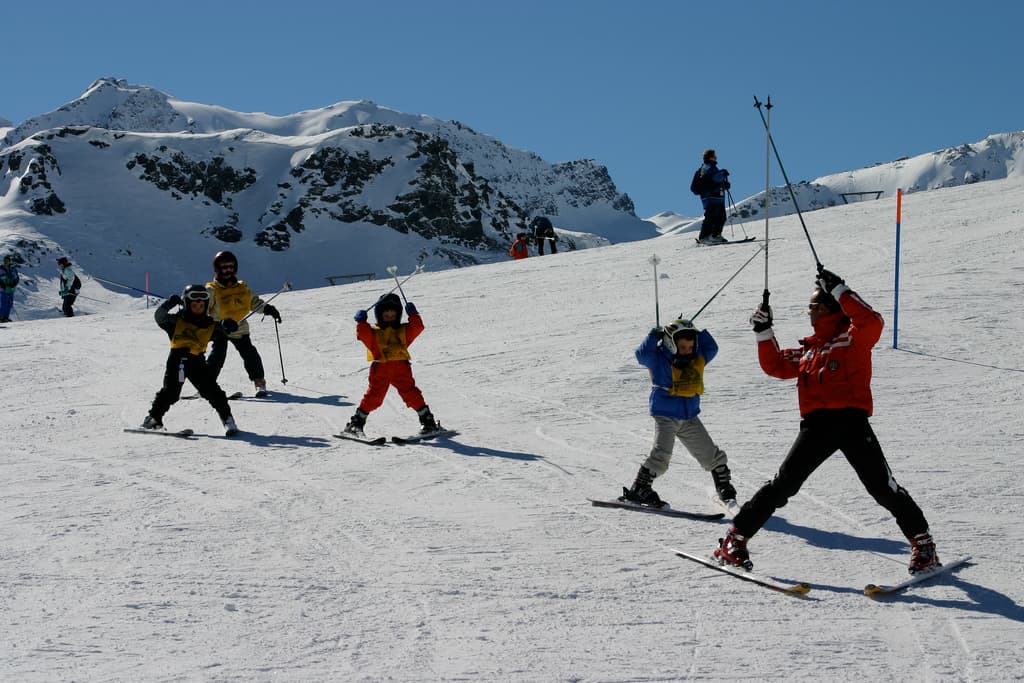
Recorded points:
285,554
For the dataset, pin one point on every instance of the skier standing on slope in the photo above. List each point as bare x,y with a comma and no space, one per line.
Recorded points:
387,349
675,356
710,183
231,298
833,372
190,331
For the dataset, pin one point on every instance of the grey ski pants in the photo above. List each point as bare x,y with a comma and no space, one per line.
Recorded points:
692,434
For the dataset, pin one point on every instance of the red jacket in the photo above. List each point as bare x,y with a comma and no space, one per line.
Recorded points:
519,249
833,366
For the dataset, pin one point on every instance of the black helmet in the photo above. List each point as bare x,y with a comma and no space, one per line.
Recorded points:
224,257
388,302
195,293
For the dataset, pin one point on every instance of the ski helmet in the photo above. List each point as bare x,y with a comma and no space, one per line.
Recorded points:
680,327
196,293
388,302
820,296
224,257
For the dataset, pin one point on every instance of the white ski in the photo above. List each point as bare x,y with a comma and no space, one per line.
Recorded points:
877,590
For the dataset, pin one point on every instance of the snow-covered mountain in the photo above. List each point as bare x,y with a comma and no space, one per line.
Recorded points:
995,157
127,180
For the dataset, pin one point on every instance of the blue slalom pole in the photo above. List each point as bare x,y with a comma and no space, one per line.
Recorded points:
896,284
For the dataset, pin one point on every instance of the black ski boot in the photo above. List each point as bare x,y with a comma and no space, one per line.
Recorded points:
723,483
356,424
427,422
642,493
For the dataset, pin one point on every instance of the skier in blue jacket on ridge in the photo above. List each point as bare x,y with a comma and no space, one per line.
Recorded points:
676,355
711,182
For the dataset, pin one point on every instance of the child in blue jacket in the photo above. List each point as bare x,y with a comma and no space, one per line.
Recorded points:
675,356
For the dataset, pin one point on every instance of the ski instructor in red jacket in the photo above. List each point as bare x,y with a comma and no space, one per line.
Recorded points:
833,372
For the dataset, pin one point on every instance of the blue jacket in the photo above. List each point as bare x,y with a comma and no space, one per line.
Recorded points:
710,182
675,392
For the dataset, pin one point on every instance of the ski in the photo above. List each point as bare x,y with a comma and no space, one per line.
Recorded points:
416,438
877,590
377,441
181,434
731,507
745,240
667,511
231,397
797,590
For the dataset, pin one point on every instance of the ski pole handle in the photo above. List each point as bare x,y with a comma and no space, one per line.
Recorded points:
394,273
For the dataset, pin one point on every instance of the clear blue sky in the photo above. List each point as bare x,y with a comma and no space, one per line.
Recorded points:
641,86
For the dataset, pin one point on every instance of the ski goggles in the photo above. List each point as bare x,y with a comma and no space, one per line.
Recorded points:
197,296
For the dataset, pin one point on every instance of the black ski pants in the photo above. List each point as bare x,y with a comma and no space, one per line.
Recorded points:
68,305
182,366
219,351
822,433
714,220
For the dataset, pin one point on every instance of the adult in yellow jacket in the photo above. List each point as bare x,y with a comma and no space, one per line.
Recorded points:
231,298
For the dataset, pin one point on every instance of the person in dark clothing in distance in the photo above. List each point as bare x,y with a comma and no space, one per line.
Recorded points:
544,231
711,182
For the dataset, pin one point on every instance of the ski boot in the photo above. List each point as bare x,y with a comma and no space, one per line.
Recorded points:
723,483
152,423
732,550
427,422
923,557
641,493
356,424
230,428
261,388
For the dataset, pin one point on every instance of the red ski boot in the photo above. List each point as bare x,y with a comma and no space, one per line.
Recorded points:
733,550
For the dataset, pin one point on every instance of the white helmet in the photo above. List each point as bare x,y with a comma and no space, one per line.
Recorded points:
669,332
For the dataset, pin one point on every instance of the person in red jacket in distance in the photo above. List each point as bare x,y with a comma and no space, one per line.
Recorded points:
833,372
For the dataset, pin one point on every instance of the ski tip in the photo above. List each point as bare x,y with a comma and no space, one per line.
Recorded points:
800,589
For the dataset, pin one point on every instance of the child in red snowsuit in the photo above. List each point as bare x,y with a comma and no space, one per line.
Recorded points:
387,348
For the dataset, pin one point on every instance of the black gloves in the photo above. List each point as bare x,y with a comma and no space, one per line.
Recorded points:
761,319
360,316
828,280
173,301
655,332
272,312
228,325
410,308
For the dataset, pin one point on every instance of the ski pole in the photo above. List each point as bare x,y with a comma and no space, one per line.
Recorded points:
118,284
789,185
767,196
654,261
732,227
253,312
89,298
394,273
694,316
280,357
419,269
